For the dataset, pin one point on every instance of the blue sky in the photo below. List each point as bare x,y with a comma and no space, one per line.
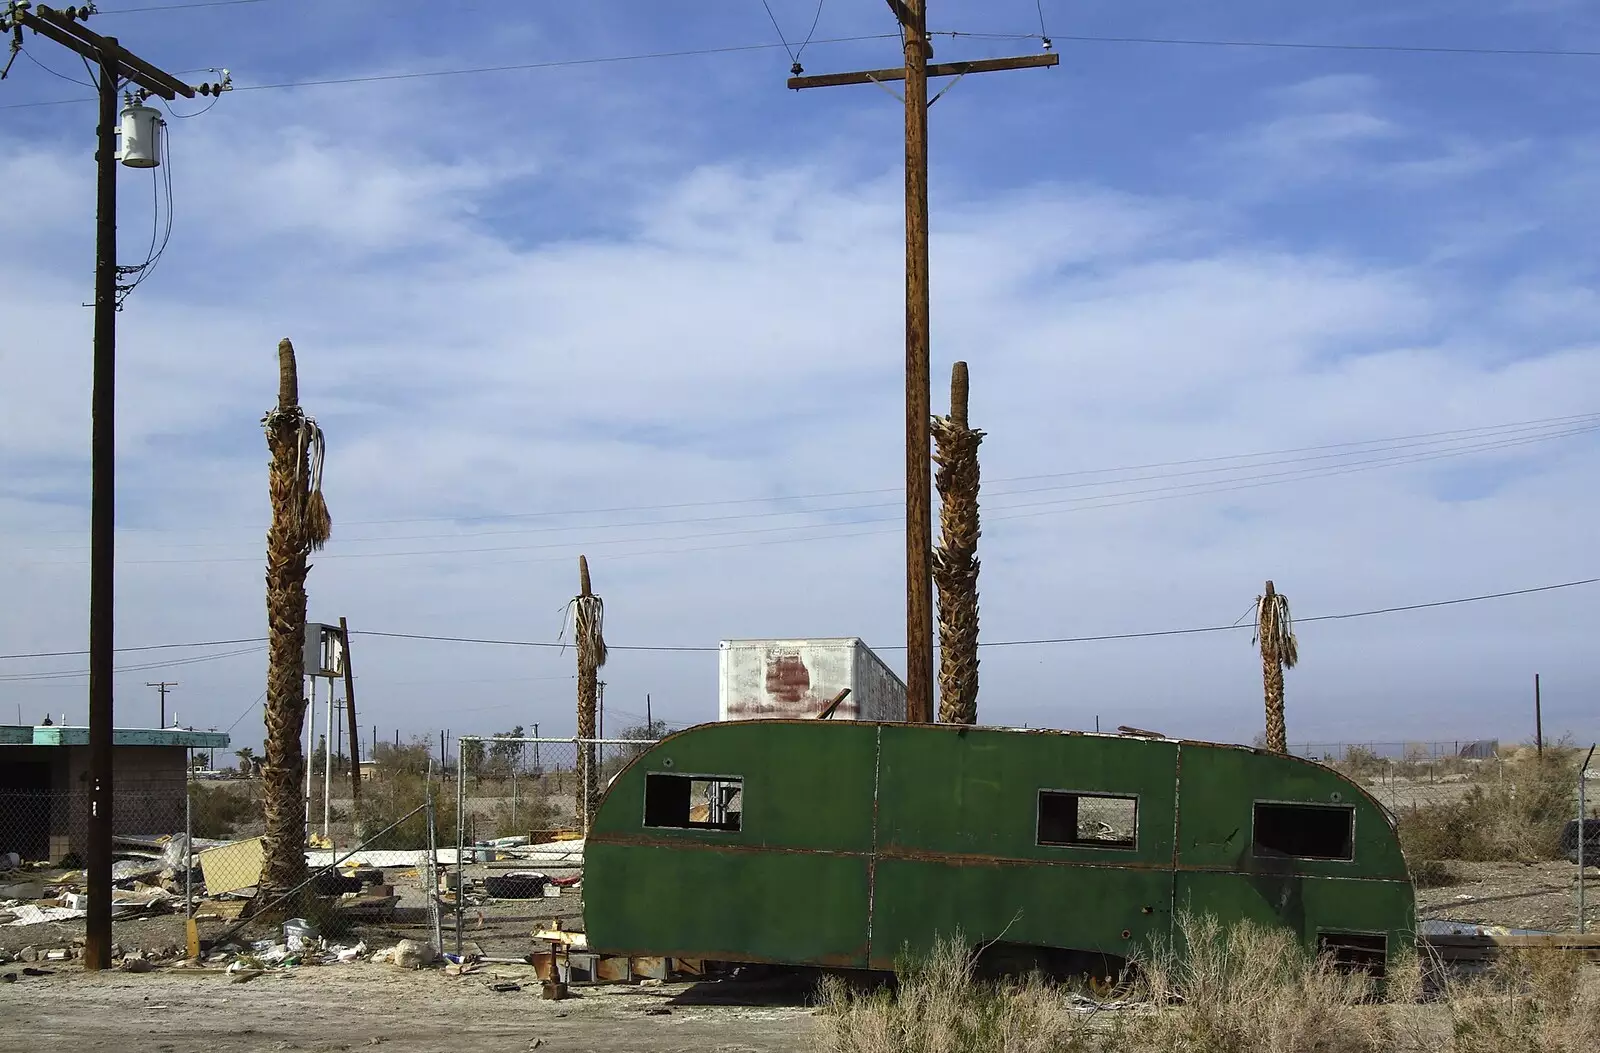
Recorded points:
527,294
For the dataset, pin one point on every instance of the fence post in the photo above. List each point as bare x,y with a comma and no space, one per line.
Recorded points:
433,867
461,829
188,842
1583,832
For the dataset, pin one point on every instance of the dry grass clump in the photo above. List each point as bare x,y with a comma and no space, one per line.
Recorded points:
1243,988
939,1006
1534,1001
1221,989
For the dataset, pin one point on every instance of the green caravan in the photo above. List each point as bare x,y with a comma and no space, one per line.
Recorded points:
843,844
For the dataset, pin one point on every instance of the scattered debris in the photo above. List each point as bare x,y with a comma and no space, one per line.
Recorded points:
232,867
504,987
239,972
28,914
411,954
527,884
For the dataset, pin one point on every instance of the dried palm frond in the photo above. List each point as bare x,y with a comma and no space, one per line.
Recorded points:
315,521
955,558
1275,627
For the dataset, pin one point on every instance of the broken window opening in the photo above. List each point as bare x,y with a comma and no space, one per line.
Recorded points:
693,802
1355,951
1088,820
1305,831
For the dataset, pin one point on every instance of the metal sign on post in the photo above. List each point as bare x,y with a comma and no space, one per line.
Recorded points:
324,650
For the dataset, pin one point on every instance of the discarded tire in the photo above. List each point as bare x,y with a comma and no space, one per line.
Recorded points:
331,884
515,886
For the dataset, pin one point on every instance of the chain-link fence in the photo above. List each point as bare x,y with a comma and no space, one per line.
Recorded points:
44,844
522,808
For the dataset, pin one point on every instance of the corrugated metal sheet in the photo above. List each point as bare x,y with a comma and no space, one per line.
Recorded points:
797,679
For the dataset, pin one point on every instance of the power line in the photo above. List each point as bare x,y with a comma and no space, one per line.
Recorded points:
124,650
1051,507
178,7
737,48
1299,621
1292,45
511,68
812,32
70,80
1482,597
259,699
73,674
1350,445
1503,433
516,643
781,39
666,648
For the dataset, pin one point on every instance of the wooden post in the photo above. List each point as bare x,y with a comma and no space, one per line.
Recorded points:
913,17
919,498
350,715
1538,719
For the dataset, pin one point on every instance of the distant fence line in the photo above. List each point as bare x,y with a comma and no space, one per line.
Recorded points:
1467,749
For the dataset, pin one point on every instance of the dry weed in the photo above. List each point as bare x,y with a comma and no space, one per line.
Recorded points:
1225,989
941,1007
1541,1001
1246,988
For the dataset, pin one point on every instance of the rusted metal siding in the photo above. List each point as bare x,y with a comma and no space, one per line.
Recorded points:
859,840
796,679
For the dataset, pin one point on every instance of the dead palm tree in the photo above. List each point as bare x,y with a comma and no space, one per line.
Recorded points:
1279,651
955,559
587,614
300,525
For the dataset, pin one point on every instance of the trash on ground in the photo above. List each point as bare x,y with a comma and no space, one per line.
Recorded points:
412,954
28,914
232,867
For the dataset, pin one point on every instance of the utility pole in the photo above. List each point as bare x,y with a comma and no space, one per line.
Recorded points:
116,66
1538,719
164,686
600,720
350,717
913,18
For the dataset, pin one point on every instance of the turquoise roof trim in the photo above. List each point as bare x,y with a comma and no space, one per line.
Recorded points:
195,740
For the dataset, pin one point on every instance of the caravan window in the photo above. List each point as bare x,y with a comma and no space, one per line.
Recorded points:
693,802
1305,831
1088,820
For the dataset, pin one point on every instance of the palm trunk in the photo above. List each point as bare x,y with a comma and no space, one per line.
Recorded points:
1272,680
1278,651
588,789
955,560
284,771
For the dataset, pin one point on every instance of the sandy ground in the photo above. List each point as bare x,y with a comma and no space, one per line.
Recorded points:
1516,895
1540,896
379,1007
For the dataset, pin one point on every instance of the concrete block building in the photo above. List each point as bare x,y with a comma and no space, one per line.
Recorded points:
44,785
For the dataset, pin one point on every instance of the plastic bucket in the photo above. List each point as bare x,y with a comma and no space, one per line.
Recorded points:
298,933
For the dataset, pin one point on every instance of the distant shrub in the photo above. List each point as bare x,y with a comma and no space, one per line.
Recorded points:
1518,816
217,811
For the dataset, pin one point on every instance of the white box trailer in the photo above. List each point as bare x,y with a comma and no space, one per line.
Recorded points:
797,679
